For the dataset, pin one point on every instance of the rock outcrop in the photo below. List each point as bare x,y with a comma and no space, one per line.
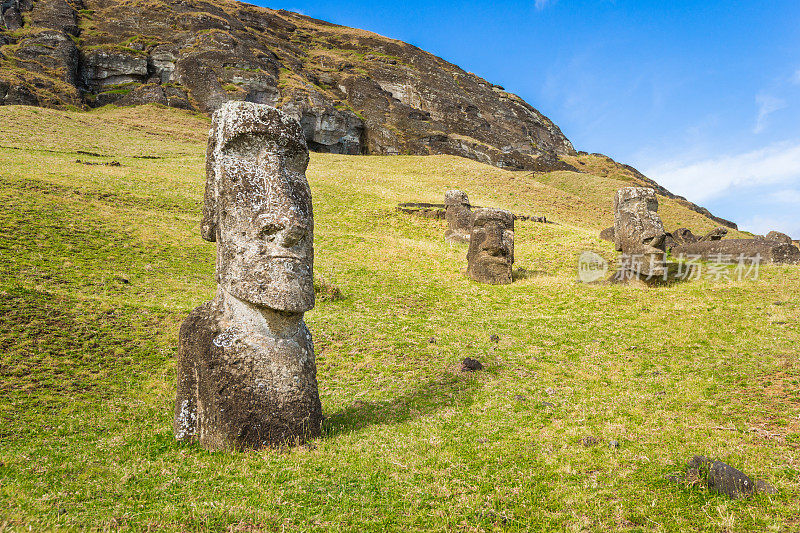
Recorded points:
352,91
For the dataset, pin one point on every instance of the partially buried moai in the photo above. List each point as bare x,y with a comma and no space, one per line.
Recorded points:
458,213
491,246
638,231
246,370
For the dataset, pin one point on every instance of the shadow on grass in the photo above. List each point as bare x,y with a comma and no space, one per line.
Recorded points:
423,400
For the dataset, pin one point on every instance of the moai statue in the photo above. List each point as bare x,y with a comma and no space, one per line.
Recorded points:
638,231
459,216
491,246
246,370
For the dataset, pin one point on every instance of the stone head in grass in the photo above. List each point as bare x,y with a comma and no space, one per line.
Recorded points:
459,216
246,371
638,231
491,246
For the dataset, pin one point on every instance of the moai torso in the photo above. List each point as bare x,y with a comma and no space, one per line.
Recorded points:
246,370
491,247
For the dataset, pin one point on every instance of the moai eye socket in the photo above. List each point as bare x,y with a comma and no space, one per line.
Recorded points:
270,230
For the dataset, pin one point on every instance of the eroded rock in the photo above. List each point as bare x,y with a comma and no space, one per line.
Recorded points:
778,237
246,369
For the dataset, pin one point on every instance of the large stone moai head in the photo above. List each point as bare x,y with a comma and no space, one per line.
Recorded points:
458,213
246,367
638,230
258,207
491,246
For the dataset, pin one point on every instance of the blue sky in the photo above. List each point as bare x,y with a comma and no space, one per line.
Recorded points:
704,97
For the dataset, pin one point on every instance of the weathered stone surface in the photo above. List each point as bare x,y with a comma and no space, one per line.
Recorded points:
458,213
471,365
145,94
768,251
684,236
721,477
778,237
491,246
56,14
638,231
246,370
103,68
49,52
608,234
715,234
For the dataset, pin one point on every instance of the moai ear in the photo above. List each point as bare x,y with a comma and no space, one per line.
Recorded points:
208,227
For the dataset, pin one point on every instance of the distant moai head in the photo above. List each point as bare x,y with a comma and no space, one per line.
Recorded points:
637,227
258,207
458,213
491,246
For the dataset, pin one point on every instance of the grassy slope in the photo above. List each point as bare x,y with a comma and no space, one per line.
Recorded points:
100,265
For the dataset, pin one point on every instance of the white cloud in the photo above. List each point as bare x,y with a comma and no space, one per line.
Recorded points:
796,77
785,196
761,225
767,105
541,4
713,177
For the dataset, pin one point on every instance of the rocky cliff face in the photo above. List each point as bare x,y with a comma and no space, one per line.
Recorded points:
353,91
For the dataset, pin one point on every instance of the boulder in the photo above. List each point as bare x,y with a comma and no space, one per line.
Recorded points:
56,14
725,479
683,236
777,236
715,234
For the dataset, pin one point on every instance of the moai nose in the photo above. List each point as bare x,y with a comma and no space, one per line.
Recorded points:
293,234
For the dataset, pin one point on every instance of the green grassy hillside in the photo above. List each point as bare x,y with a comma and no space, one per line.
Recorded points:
101,263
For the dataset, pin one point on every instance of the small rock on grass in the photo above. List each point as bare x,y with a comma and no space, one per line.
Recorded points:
613,444
494,338
723,478
470,365
589,440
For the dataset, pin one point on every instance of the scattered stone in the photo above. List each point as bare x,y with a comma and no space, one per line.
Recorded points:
613,444
715,234
547,404
423,210
494,337
246,368
520,398
471,365
106,163
550,391
589,441
491,247
458,213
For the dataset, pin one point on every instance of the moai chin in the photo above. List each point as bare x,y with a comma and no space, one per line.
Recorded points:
491,246
458,213
638,231
246,369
